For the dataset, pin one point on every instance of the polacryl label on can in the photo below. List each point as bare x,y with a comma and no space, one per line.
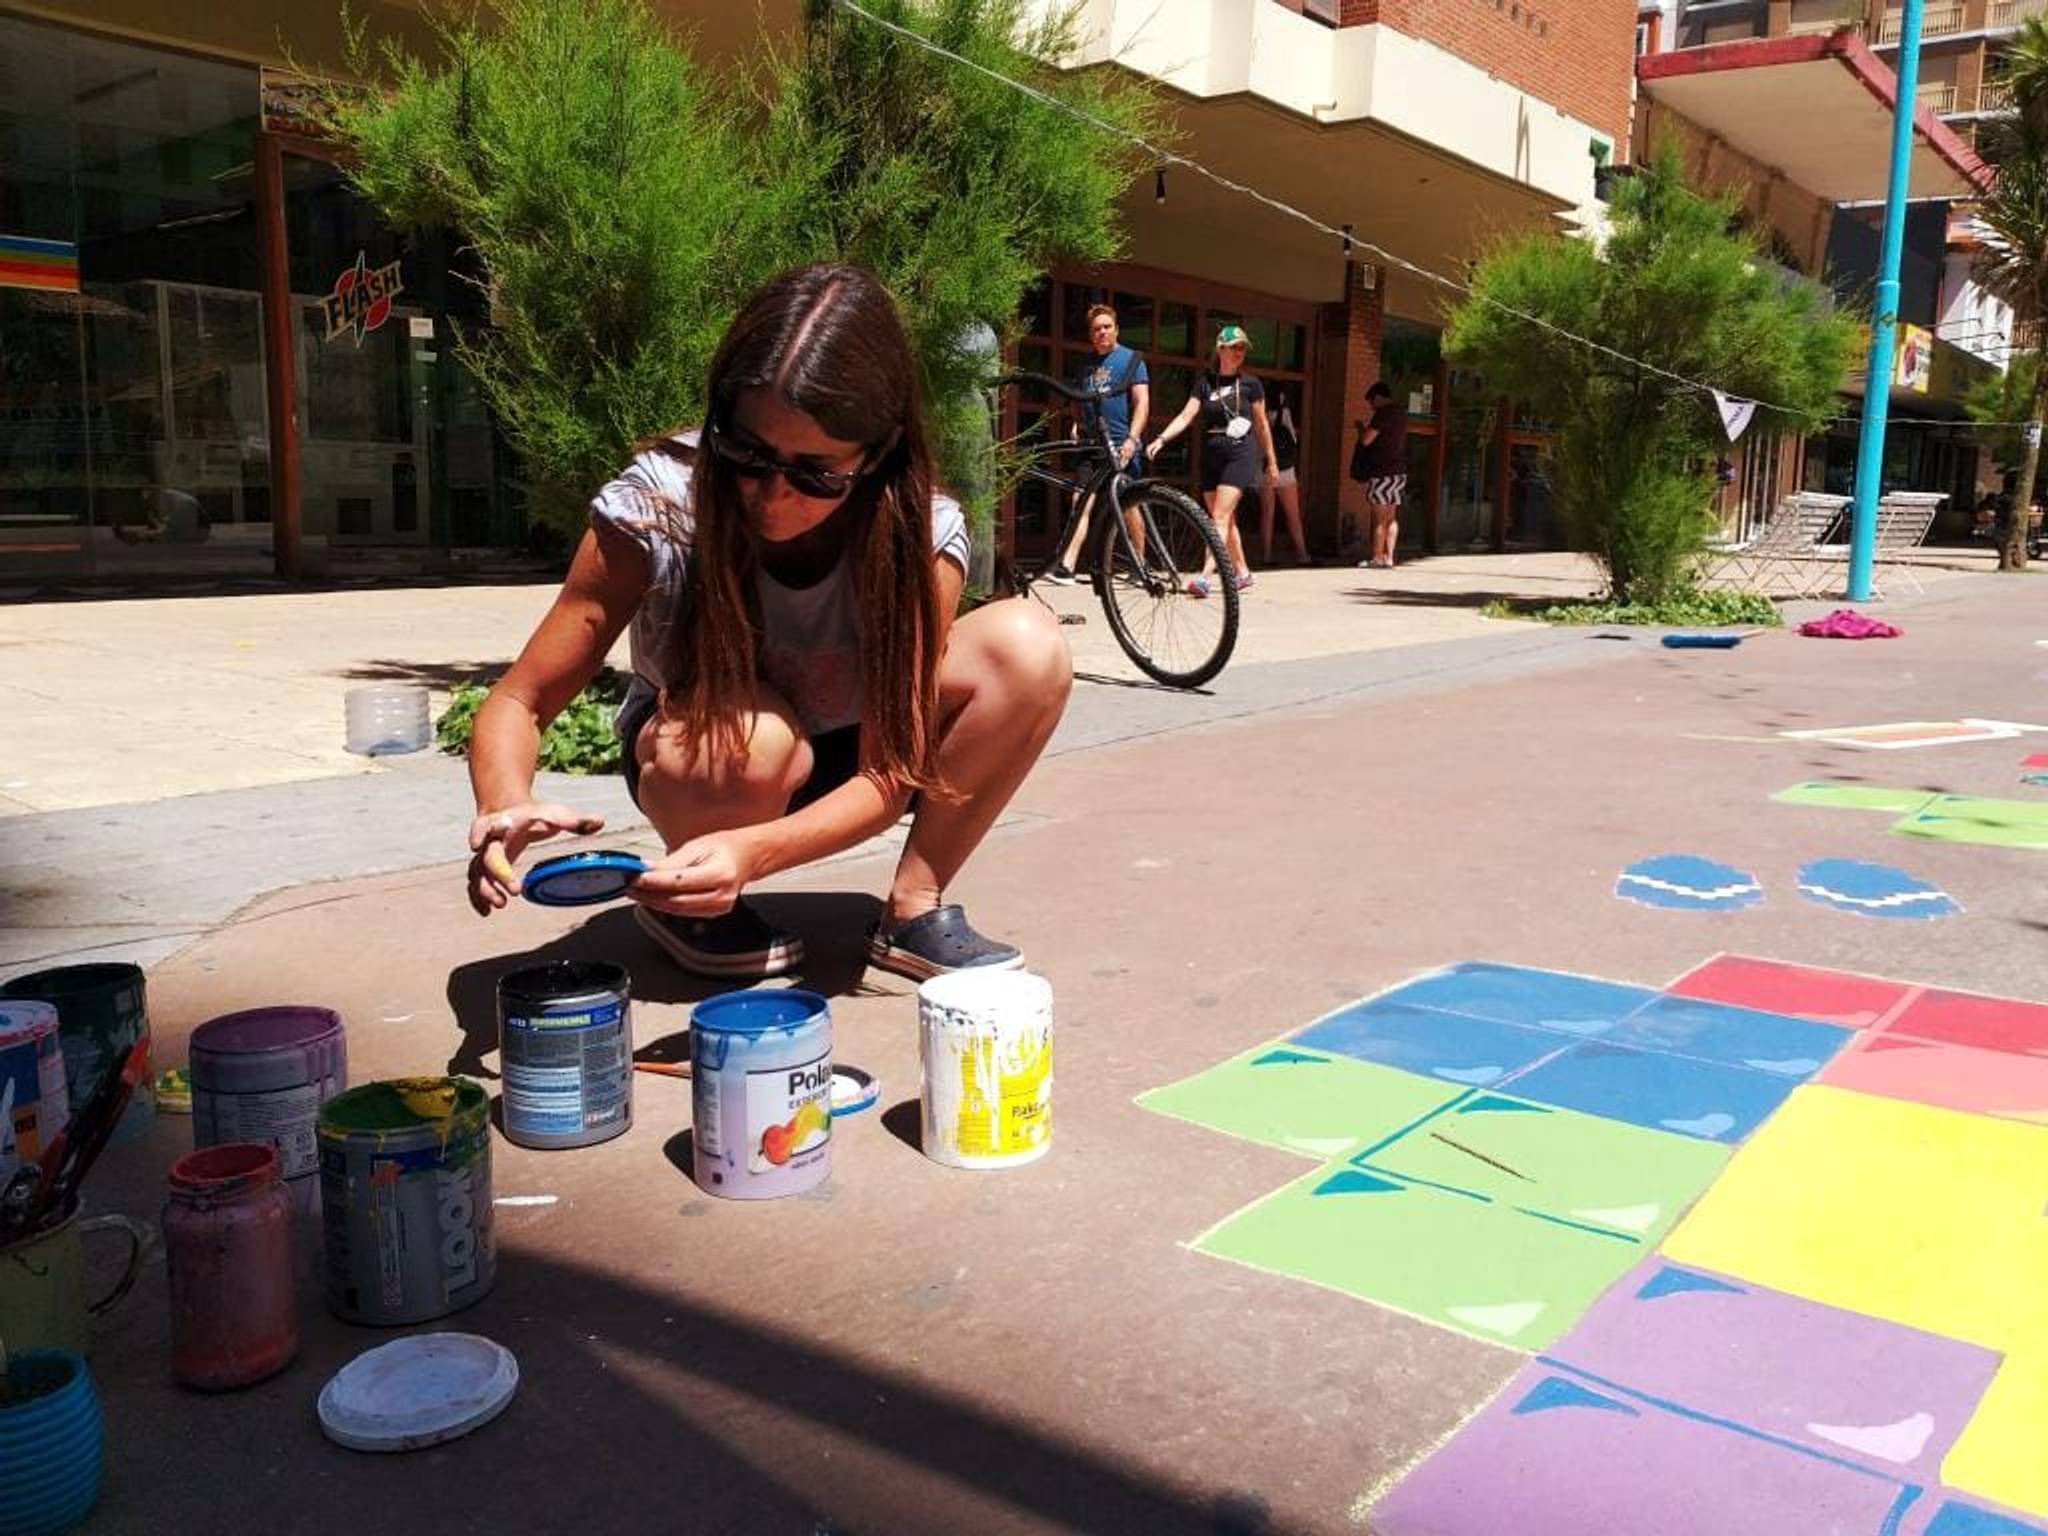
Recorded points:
789,1112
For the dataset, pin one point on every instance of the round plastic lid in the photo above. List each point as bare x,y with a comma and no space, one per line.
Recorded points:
582,879
418,1391
853,1091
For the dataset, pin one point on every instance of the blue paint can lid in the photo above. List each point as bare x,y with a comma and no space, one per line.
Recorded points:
582,879
757,1011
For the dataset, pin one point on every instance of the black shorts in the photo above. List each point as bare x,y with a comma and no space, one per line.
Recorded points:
835,756
1230,463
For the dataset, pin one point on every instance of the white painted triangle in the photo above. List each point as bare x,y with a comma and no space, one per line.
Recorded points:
1506,1319
1322,1146
1630,1218
1899,1442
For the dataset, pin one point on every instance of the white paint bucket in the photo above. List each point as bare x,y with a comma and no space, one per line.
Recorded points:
985,1046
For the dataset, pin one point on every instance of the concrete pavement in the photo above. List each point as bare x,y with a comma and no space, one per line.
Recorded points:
917,1350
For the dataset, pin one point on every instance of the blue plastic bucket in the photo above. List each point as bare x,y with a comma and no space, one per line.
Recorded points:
761,1092
52,1444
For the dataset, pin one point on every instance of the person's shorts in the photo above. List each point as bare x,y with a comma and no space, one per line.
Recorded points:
1285,477
1226,464
1386,490
835,756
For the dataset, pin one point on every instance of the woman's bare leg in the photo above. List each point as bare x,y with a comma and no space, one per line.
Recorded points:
1003,685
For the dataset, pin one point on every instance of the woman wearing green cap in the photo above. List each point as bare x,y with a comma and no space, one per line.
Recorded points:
1237,445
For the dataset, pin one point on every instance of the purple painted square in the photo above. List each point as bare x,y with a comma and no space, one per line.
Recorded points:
1561,1456
1841,1383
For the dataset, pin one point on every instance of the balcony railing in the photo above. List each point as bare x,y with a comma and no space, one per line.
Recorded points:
1938,99
1995,96
2010,13
1935,21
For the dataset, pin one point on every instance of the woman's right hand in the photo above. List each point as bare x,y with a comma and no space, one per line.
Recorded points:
498,838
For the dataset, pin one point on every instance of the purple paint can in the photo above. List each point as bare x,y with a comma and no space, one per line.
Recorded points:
262,1075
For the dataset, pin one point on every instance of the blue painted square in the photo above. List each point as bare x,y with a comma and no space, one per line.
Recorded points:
1662,1093
1514,994
1475,1052
1741,1037
1955,1518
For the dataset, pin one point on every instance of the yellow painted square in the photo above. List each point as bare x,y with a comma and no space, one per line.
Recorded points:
1924,1216
1999,1454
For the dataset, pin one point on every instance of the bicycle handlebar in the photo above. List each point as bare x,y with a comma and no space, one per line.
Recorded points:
1046,381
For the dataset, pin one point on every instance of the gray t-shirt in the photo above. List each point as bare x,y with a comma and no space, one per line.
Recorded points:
810,642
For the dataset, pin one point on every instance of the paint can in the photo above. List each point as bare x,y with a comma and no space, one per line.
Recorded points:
262,1075
32,1026
405,1195
985,1047
101,1013
565,1047
22,1137
761,1092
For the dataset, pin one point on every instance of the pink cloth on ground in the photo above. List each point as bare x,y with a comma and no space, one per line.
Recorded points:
1848,624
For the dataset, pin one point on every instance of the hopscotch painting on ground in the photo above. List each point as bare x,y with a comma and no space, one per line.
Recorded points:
1776,1239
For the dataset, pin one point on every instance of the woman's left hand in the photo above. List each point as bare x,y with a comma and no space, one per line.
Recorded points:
703,878
1272,469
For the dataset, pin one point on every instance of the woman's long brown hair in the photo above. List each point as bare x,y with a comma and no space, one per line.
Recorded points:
828,341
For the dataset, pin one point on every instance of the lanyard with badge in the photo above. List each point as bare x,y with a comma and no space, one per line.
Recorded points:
1239,424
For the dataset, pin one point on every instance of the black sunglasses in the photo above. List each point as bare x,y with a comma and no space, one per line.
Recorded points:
753,463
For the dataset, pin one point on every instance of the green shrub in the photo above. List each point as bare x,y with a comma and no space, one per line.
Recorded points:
579,740
1684,609
1679,285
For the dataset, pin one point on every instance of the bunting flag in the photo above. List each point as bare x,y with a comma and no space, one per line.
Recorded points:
1735,414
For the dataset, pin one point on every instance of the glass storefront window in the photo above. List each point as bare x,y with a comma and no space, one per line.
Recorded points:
1134,320
133,409
1176,336
134,430
1035,309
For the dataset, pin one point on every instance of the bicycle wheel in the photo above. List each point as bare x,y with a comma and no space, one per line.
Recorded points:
1142,575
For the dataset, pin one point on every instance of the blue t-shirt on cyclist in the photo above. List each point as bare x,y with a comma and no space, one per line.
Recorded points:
1118,368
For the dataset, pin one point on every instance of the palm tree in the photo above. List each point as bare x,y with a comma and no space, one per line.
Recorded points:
2013,260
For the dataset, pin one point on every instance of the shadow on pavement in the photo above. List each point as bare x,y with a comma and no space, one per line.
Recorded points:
729,1425
833,924
1416,597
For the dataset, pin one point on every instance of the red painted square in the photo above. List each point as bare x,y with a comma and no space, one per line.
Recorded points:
1966,1018
1833,997
1946,1075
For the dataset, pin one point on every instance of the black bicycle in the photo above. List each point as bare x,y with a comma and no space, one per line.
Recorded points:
1148,546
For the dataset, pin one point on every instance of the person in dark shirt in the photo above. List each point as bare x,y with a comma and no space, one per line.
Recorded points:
1118,375
1237,445
1383,456
1282,487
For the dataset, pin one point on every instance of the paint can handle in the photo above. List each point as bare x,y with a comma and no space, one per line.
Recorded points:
140,1236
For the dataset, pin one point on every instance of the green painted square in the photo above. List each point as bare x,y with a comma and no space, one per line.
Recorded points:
1307,1102
1557,1163
1968,819
1459,1261
1855,797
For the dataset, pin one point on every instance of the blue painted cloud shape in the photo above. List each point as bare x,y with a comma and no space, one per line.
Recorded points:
1687,883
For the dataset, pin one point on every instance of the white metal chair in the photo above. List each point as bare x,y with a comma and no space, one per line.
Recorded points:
1903,519
1785,550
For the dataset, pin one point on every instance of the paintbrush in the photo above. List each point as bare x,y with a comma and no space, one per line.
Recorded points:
89,1132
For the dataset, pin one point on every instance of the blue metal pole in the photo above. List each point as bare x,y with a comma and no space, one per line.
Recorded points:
1877,382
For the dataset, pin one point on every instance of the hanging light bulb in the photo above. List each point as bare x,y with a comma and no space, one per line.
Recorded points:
1347,242
1159,185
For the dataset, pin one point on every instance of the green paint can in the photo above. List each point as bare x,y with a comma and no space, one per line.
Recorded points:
101,1013
405,1199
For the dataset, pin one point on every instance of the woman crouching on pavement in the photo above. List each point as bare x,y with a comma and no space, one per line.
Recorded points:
790,575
